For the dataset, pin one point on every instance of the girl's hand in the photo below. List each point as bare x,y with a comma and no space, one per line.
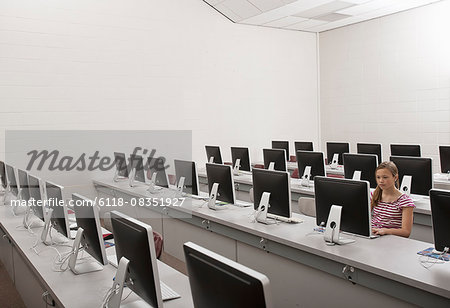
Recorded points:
380,231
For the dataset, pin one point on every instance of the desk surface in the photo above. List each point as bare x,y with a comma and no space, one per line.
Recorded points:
422,202
392,257
85,290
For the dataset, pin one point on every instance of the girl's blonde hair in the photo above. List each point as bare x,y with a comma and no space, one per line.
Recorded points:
376,196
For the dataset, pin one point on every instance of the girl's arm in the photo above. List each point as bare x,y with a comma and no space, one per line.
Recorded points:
405,230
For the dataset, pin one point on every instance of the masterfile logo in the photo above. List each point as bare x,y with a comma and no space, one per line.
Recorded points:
55,161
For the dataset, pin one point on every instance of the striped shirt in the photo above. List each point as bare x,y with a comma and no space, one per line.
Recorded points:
389,214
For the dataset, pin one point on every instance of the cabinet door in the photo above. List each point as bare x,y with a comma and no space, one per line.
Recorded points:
27,284
6,253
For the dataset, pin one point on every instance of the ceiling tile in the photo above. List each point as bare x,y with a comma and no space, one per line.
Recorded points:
242,8
332,17
266,5
286,21
306,24
324,9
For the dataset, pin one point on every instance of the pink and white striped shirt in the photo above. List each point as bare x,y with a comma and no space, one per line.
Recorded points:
389,214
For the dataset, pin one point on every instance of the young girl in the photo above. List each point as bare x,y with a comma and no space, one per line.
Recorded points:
392,211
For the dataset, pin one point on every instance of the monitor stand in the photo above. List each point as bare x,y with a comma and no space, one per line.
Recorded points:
180,186
47,227
333,228
405,187
334,161
153,189
356,175
118,178
83,267
131,178
261,213
29,218
211,160
271,166
306,176
237,165
213,196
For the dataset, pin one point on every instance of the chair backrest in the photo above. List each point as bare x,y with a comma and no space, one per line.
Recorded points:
295,174
307,206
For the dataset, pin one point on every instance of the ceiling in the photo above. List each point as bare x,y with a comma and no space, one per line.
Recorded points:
309,15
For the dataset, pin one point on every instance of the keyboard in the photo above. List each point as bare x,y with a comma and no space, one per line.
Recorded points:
167,293
243,204
292,220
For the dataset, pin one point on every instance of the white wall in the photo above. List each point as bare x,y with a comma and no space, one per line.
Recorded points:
135,64
388,80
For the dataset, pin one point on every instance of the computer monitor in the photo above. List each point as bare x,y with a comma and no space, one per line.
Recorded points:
137,167
3,175
284,145
59,219
244,158
36,197
23,184
222,176
89,236
303,146
314,160
364,165
276,157
337,148
11,176
405,150
121,165
419,168
187,170
444,156
440,215
219,282
213,152
277,183
156,165
354,198
370,148
136,256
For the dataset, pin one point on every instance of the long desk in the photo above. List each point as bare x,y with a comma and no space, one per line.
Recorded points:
302,269
243,183
34,277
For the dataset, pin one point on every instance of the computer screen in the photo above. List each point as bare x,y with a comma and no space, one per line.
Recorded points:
284,145
59,220
303,146
370,148
11,175
352,195
3,175
276,156
87,216
365,163
121,164
222,175
157,165
440,214
23,184
137,164
214,151
277,183
188,170
313,159
420,170
243,155
134,241
36,197
444,156
221,283
337,148
405,150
